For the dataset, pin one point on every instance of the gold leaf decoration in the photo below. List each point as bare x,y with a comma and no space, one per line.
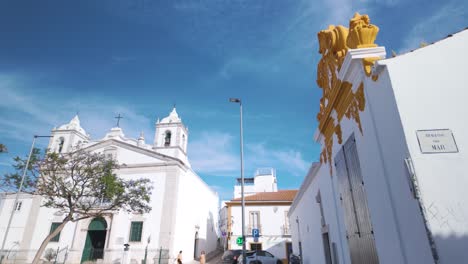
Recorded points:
338,96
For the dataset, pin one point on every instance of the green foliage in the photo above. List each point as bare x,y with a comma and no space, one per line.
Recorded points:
83,184
80,184
11,181
3,148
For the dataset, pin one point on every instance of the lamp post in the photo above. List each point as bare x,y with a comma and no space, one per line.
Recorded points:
146,249
237,100
17,197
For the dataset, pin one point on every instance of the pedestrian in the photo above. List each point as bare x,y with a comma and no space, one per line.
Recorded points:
202,257
179,257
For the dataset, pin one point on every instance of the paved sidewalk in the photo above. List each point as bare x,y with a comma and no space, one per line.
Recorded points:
211,259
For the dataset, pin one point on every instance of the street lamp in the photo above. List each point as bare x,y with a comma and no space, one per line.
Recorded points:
17,196
237,100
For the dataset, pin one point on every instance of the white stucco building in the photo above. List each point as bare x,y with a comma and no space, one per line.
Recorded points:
184,208
391,184
266,210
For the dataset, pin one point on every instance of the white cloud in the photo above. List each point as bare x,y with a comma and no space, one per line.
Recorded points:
216,153
29,112
213,153
289,160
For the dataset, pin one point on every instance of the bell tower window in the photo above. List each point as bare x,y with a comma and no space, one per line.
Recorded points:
61,142
167,139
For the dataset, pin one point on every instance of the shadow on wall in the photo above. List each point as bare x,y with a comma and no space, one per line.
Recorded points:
452,249
210,233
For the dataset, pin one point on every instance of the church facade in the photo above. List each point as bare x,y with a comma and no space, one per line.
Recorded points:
184,208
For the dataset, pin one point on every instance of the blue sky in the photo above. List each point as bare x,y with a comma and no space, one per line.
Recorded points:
138,58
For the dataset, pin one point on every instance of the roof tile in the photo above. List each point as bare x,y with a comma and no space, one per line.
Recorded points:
282,195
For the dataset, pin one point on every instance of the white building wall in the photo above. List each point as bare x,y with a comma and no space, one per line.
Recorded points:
429,86
415,91
197,211
272,219
306,222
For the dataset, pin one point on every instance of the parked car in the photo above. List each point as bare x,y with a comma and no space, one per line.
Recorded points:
294,259
260,257
231,256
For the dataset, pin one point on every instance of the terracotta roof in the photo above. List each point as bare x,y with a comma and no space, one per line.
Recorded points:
282,195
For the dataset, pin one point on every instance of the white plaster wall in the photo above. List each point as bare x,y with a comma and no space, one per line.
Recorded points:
430,90
197,210
18,221
308,229
265,183
397,223
121,222
128,157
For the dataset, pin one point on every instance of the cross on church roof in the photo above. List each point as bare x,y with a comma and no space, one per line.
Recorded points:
118,120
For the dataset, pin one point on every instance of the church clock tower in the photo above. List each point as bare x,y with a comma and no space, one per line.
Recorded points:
171,137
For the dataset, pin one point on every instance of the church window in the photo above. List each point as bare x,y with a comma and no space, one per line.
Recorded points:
167,139
52,229
183,141
61,142
136,229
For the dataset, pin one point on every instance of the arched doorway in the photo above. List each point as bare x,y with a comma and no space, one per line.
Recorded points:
195,248
95,240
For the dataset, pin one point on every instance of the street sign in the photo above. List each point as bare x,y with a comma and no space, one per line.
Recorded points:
255,232
240,241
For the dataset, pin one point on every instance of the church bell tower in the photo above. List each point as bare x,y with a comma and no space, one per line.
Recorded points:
171,137
68,137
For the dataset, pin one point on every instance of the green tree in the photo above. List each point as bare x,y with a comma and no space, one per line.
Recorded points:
80,185
11,181
3,148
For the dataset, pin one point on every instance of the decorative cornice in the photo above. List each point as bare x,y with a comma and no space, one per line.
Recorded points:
339,78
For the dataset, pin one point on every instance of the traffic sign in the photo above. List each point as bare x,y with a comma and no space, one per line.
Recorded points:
240,241
255,232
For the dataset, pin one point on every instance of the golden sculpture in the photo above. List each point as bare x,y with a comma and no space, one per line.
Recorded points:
334,43
362,33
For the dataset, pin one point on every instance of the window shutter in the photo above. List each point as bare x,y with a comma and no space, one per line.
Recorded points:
135,231
52,229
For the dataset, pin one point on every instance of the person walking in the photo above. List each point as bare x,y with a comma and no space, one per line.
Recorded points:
202,257
179,257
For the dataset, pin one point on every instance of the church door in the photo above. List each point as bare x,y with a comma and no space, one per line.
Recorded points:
195,248
95,240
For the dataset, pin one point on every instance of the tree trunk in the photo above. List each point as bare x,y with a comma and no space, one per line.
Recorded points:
43,246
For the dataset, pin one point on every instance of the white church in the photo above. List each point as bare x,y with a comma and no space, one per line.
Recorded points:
184,207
